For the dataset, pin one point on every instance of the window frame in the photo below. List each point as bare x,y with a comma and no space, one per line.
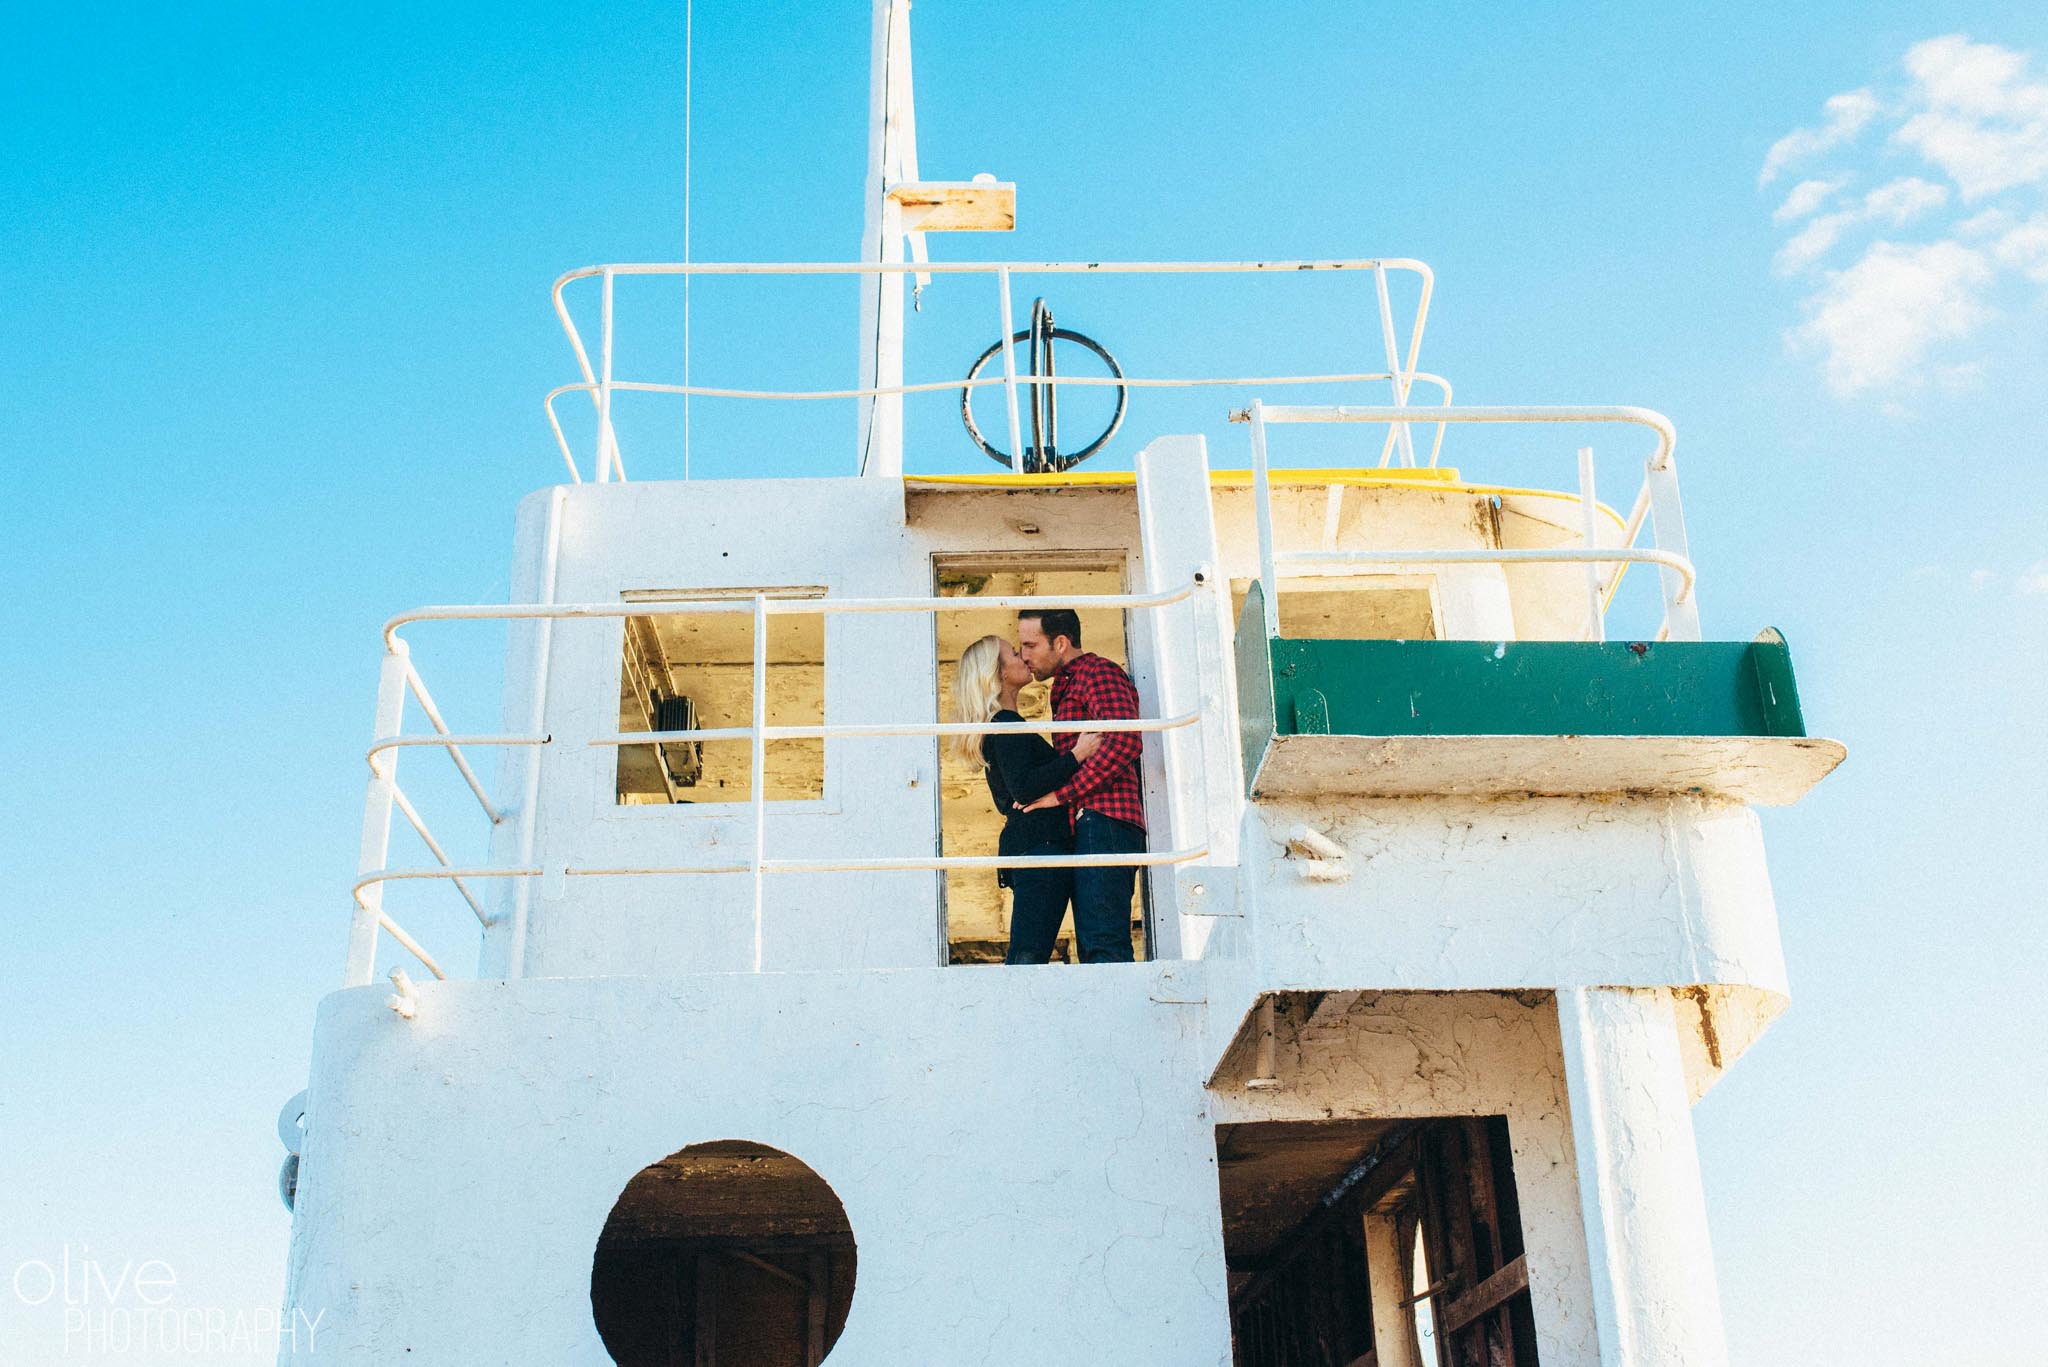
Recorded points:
828,800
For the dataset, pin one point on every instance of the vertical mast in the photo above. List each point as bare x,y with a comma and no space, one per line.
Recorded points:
892,158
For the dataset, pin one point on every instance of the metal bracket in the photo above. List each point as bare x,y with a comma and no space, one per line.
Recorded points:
405,999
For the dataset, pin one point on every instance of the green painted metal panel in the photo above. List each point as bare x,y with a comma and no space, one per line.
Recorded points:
1544,688
1311,712
1780,693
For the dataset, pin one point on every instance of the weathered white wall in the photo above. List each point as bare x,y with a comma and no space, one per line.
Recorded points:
1452,893
1025,1156
717,535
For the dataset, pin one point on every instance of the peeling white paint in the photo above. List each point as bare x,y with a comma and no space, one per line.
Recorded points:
1654,1292
1452,894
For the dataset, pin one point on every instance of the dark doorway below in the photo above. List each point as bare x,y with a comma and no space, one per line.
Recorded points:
1374,1243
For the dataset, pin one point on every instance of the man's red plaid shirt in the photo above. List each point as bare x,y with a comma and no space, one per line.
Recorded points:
1090,688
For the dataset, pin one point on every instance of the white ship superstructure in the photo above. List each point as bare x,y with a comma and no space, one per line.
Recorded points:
1452,907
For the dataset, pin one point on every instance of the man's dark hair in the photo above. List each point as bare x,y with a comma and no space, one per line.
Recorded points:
1056,622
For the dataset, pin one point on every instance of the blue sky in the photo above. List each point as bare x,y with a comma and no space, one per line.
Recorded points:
279,327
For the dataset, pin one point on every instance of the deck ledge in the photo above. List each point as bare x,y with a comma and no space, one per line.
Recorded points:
1771,771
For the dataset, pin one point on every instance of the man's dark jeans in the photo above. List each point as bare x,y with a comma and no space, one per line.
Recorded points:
1102,896
1038,903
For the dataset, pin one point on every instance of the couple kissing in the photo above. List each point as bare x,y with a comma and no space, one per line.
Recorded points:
1077,795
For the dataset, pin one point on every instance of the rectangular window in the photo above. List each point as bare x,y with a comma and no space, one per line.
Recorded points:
1377,607
695,671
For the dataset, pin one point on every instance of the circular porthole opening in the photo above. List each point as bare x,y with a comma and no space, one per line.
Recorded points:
728,1252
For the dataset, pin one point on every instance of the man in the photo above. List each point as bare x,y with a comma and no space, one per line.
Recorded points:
1104,799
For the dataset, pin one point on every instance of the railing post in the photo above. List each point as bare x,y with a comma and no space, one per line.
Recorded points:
1401,380
1638,512
1262,498
1596,619
606,445
1010,372
377,803
760,759
1667,533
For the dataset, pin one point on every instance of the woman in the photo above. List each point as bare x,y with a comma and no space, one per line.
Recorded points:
1021,768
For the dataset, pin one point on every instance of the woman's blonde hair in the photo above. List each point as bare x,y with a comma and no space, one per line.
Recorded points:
977,687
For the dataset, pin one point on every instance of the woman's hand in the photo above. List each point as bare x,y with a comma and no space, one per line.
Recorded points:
1085,746
1040,805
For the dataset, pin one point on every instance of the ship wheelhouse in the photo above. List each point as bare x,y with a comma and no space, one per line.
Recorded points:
1453,899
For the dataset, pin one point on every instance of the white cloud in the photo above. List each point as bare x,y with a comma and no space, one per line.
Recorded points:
1989,223
1811,243
1844,116
2024,247
1876,323
1981,79
1970,120
1982,579
2033,581
1805,197
1898,202
1904,199
1980,160
1980,120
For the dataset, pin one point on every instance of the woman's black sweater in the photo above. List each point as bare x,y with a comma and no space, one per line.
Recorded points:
1023,768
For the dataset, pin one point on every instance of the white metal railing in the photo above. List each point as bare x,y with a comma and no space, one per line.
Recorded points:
398,677
600,382
1656,500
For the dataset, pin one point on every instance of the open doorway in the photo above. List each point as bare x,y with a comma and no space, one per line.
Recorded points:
974,907
1392,1242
